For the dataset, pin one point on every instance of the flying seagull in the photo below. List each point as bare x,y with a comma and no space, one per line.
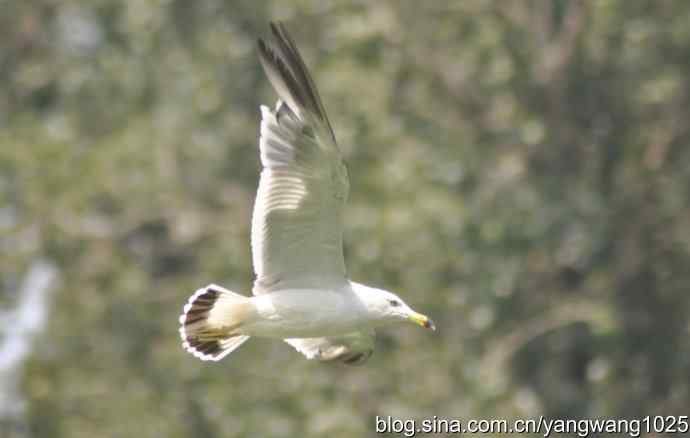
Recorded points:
301,293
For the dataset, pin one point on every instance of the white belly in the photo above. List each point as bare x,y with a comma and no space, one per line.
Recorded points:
305,313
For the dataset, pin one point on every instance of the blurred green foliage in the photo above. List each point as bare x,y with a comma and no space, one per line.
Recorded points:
520,172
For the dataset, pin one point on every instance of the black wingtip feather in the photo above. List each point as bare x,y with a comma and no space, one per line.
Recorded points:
280,76
286,70
292,58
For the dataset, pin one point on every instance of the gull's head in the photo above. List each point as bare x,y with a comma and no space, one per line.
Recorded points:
386,307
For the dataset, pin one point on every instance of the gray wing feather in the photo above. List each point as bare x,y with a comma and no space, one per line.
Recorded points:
352,349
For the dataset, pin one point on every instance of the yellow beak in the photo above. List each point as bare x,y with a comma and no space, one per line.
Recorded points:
422,320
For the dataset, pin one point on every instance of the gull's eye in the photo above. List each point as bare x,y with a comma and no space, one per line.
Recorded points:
394,303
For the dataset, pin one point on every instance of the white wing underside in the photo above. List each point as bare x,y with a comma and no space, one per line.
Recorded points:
297,220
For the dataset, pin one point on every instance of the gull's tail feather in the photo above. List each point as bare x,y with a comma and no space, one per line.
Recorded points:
210,325
290,78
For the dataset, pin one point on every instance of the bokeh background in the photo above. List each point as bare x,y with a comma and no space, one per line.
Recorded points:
520,172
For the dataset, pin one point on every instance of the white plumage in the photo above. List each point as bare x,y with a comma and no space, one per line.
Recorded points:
301,292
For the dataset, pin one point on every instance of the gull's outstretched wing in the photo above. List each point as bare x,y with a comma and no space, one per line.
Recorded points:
297,220
353,348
